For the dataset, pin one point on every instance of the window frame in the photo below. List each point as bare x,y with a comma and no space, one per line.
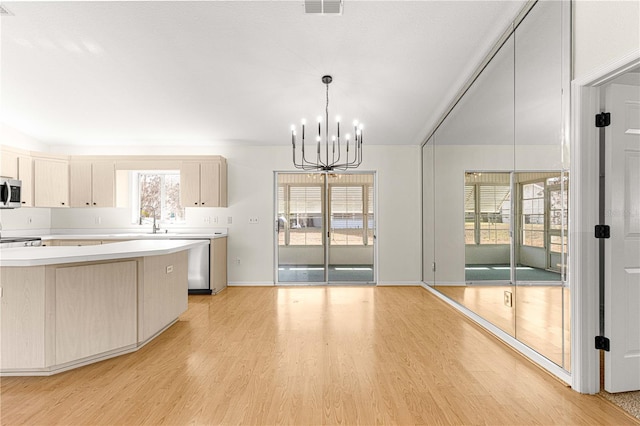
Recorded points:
364,211
136,202
545,213
287,213
368,203
477,214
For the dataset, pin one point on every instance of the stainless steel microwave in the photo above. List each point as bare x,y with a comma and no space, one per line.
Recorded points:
10,193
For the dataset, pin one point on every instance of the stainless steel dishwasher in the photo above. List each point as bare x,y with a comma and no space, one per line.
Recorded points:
199,269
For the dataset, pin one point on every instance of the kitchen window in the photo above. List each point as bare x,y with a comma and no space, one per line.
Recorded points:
156,193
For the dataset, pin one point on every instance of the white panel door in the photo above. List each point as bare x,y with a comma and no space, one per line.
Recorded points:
622,254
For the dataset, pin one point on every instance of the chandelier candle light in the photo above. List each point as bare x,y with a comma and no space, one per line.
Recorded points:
352,155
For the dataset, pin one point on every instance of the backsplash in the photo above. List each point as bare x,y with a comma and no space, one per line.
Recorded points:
25,219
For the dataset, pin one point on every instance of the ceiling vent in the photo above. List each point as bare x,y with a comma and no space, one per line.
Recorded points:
323,7
4,11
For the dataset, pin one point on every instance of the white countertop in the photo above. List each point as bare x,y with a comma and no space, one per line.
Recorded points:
136,236
52,255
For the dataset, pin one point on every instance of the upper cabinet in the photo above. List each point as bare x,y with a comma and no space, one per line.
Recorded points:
203,183
25,174
8,164
92,183
18,164
51,182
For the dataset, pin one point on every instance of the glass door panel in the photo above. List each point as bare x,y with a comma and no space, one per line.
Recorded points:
325,227
300,218
487,227
351,227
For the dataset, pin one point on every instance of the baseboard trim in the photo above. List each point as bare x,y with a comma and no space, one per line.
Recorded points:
250,284
520,347
399,283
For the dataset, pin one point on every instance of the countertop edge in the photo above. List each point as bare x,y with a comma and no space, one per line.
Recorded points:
75,255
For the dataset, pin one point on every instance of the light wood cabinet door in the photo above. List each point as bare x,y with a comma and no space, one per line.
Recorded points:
92,184
190,184
77,243
103,177
203,184
51,183
224,198
8,164
25,174
210,184
80,184
96,309
23,335
164,293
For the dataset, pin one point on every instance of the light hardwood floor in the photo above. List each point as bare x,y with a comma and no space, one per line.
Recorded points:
539,316
310,356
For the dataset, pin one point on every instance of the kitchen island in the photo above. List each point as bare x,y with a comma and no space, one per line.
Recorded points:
68,306
211,280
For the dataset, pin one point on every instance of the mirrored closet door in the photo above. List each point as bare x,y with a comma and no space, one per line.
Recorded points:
495,190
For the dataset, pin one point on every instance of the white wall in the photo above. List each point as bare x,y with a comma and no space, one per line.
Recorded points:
250,175
604,31
12,137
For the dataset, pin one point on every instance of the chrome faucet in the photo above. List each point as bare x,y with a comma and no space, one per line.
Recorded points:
154,228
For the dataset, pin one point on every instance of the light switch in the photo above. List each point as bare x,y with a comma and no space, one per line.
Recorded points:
169,269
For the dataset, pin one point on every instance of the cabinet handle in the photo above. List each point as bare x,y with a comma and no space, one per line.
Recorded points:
195,204
85,203
94,204
23,202
62,204
203,204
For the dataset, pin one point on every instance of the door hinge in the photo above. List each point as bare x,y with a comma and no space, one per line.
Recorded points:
603,231
603,119
602,343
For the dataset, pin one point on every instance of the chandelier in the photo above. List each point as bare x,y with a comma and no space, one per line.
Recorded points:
328,155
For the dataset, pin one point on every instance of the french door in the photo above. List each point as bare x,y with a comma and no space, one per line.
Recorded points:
325,228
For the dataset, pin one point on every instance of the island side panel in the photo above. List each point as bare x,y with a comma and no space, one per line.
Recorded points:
165,291
218,272
96,309
22,319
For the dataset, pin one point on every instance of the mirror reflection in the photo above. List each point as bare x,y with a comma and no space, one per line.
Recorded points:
495,190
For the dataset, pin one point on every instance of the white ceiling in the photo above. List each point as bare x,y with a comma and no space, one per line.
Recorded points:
226,72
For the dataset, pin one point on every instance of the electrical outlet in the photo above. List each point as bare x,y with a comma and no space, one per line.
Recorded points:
169,269
215,219
207,219
253,220
229,220
508,300
97,220
237,260
29,219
